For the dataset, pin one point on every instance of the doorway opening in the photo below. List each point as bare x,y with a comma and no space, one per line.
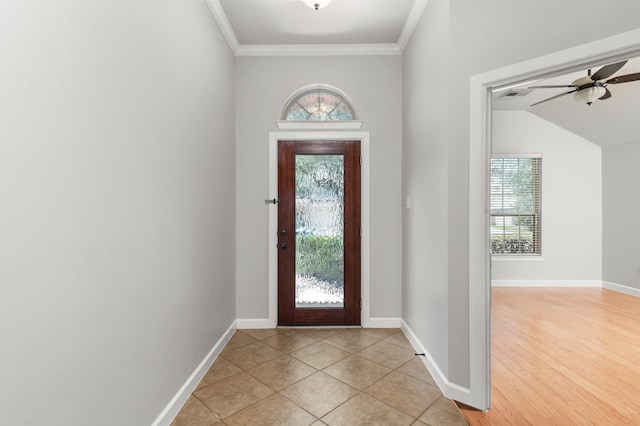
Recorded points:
305,134
593,54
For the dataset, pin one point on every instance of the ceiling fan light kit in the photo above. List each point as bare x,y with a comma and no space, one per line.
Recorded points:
317,4
589,94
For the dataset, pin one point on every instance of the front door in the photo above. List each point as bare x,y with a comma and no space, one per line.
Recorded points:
319,233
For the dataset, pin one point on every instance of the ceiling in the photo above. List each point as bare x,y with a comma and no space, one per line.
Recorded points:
604,122
268,27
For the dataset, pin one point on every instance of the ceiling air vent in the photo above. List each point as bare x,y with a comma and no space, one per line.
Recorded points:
517,92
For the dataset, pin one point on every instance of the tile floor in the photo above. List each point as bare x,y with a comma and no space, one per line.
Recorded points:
318,376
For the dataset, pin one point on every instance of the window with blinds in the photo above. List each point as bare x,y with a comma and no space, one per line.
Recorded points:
515,205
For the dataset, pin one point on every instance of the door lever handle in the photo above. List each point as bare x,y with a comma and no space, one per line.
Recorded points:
274,201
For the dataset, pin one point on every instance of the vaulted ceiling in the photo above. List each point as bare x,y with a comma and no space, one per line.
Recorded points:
604,122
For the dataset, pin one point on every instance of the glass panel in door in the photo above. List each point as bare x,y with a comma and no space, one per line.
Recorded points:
319,221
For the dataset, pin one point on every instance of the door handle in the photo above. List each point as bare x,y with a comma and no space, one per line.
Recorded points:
283,246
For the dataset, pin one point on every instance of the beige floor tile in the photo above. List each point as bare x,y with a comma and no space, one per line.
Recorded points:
357,371
351,360
389,355
443,413
321,333
319,393
419,423
274,410
399,339
233,394
320,355
364,410
262,333
220,370
195,413
239,339
251,355
416,369
289,342
351,340
281,372
379,333
405,393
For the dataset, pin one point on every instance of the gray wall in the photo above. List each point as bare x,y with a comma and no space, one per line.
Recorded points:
482,36
263,85
621,202
425,181
116,252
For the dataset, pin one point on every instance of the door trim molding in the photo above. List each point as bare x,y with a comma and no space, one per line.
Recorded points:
363,137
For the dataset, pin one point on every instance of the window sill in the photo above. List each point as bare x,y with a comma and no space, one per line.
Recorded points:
495,258
319,125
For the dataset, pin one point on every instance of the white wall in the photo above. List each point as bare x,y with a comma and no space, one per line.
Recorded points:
374,86
117,206
621,203
571,200
482,36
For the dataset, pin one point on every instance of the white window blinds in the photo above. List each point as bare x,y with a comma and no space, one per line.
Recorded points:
515,205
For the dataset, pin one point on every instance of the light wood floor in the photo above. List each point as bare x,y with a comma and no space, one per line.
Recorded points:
563,357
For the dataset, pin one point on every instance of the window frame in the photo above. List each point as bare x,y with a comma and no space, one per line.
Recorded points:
537,214
318,88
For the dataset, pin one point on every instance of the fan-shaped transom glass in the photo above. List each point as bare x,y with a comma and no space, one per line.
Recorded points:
318,104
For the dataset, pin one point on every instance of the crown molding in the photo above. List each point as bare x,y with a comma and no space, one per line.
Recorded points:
411,23
317,49
225,26
372,49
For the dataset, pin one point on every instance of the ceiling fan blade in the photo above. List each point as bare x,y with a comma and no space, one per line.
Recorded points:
551,86
606,95
624,78
607,71
555,97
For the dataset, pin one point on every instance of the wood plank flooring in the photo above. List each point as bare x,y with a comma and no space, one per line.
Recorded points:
563,356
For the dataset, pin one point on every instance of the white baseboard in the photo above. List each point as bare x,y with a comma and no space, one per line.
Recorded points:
246,324
568,283
431,365
448,389
621,288
384,323
175,405
546,283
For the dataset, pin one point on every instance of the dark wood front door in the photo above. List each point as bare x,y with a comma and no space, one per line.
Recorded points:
319,233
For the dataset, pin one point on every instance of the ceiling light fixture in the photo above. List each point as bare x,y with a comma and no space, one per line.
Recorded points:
317,4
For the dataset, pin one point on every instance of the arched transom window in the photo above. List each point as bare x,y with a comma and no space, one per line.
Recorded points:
318,104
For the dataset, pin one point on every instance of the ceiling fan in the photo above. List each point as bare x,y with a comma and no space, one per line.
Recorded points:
589,88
